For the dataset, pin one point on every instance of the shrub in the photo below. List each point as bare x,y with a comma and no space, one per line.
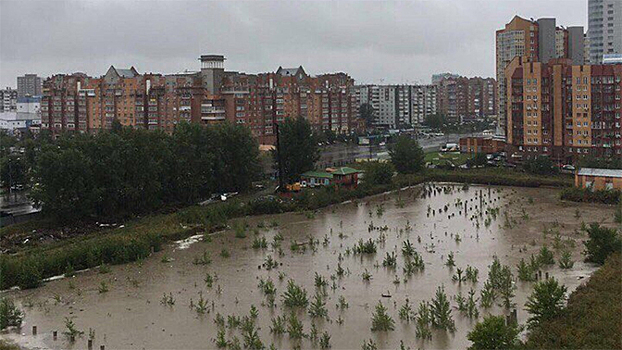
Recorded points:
591,319
576,194
546,302
378,173
602,241
541,165
493,333
295,296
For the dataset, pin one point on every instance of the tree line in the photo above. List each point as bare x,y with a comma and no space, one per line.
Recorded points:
126,172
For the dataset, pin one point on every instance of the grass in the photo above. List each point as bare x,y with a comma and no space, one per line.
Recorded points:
5,345
592,317
439,158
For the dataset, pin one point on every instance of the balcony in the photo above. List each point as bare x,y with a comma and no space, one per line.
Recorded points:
235,90
212,110
213,117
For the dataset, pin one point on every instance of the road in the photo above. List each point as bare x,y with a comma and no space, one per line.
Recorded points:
339,154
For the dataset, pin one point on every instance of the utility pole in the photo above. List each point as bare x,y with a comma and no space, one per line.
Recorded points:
278,157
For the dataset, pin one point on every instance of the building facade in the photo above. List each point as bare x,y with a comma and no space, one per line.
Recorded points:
536,41
563,110
77,102
398,106
604,29
463,98
29,85
8,100
598,179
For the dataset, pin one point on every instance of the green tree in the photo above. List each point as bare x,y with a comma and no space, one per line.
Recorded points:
541,165
6,142
493,333
378,173
192,170
298,148
381,321
441,311
127,171
368,113
13,170
546,302
478,159
65,191
435,121
602,241
406,155
10,315
238,165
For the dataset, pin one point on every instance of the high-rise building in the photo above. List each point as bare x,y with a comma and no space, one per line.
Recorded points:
8,100
564,110
536,41
29,85
463,98
398,106
604,28
424,102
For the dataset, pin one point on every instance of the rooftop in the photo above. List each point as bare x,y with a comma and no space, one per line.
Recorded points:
600,172
322,174
344,171
290,71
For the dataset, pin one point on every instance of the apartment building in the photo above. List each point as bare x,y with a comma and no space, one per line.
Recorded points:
261,100
423,102
211,95
564,110
462,98
29,85
604,29
8,100
398,106
536,41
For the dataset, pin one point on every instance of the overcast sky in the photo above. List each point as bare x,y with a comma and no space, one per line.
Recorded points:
375,42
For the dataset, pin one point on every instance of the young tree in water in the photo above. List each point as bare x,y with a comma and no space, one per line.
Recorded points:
494,333
441,311
298,148
406,155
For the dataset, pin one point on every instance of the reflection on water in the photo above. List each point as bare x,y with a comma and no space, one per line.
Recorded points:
131,316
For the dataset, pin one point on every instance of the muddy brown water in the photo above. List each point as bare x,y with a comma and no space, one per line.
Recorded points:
131,316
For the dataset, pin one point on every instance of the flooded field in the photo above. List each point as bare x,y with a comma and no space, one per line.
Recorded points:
193,294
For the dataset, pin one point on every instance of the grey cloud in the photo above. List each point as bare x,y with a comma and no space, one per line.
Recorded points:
390,41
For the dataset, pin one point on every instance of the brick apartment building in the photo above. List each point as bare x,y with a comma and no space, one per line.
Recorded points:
81,103
462,98
564,110
537,41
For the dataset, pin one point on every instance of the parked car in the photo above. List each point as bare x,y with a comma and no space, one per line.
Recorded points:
569,167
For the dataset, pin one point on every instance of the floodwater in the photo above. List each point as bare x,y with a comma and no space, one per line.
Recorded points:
131,315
